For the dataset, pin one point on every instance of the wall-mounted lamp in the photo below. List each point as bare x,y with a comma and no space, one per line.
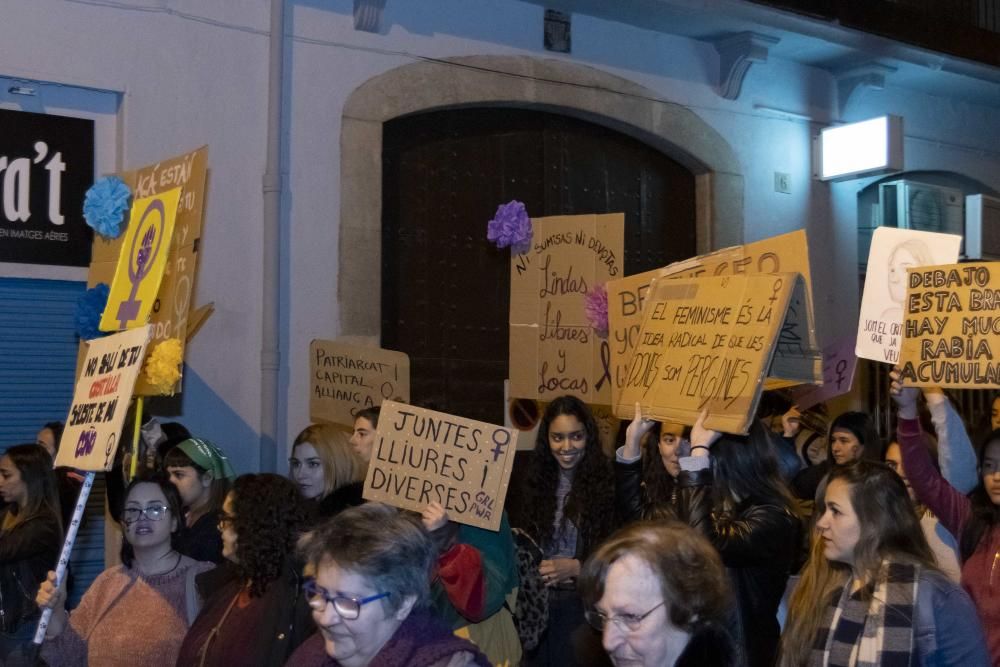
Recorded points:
853,150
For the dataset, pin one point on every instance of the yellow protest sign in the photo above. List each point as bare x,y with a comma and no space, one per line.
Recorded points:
951,326
708,343
346,378
797,358
141,262
554,350
422,456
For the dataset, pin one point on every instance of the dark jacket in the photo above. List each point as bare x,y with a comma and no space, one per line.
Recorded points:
27,553
340,499
286,627
758,544
632,500
202,541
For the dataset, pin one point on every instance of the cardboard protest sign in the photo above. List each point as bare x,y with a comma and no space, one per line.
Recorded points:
100,401
893,252
707,343
142,261
172,304
346,378
952,326
839,365
553,348
421,456
797,357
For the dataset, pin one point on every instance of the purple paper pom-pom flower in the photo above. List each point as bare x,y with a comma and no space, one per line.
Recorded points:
89,309
595,305
510,227
105,204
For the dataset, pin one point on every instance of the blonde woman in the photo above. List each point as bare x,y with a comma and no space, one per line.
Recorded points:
326,469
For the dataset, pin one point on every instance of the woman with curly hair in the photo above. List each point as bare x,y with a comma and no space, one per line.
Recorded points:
566,505
254,612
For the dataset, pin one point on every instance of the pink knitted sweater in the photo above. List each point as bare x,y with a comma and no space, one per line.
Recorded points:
125,619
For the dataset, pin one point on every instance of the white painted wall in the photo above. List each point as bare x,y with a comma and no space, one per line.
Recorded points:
191,72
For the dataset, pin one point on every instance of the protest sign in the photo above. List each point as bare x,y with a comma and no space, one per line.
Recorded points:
707,343
172,304
142,261
554,350
952,326
797,356
346,378
421,456
893,252
100,401
839,364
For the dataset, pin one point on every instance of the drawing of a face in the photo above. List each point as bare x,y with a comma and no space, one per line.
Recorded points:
900,259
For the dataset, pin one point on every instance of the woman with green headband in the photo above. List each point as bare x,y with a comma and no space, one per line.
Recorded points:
202,475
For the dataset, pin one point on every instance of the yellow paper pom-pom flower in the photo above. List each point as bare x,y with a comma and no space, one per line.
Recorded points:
163,365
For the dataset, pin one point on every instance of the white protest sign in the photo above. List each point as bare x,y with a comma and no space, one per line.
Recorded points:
101,399
893,251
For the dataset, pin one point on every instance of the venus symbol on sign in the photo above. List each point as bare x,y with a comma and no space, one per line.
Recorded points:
141,259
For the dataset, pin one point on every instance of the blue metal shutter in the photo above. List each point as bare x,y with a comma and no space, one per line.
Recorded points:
38,347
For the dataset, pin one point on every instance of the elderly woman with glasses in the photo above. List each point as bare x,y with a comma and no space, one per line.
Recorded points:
371,567
255,613
135,613
658,594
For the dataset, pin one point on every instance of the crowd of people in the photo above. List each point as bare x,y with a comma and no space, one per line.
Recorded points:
683,546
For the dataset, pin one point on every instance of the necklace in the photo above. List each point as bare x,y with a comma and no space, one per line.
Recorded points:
157,574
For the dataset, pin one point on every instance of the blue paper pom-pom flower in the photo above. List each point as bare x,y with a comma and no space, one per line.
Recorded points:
89,309
105,204
510,227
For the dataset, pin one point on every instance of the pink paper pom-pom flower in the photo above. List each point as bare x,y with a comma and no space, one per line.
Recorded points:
595,305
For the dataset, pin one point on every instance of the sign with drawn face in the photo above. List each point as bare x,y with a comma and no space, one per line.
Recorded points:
951,326
893,253
100,401
422,456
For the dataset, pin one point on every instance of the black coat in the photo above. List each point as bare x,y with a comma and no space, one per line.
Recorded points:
27,553
632,500
758,544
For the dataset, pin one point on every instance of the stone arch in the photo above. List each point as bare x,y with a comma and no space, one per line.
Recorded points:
523,82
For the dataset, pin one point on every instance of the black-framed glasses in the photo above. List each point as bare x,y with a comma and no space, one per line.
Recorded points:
627,622
153,513
347,608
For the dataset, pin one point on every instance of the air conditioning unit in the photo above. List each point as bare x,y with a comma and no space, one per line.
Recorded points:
982,227
921,206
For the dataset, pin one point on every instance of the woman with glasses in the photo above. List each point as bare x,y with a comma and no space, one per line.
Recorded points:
30,538
658,594
371,573
135,613
566,505
255,613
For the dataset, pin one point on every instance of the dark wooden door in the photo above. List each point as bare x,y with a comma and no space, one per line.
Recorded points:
445,288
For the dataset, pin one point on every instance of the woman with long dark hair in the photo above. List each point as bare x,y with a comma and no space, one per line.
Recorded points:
731,492
975,519
878,596
30,539
646,469
565,503
255,613
135,613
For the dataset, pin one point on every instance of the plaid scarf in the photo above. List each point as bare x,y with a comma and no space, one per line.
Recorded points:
872,626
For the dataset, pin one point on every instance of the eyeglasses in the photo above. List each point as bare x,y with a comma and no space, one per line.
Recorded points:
627,622
154,513
347,608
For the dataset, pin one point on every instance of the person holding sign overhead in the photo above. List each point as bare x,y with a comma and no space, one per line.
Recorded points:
646,485
732,493
565,502
30,539
135,613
